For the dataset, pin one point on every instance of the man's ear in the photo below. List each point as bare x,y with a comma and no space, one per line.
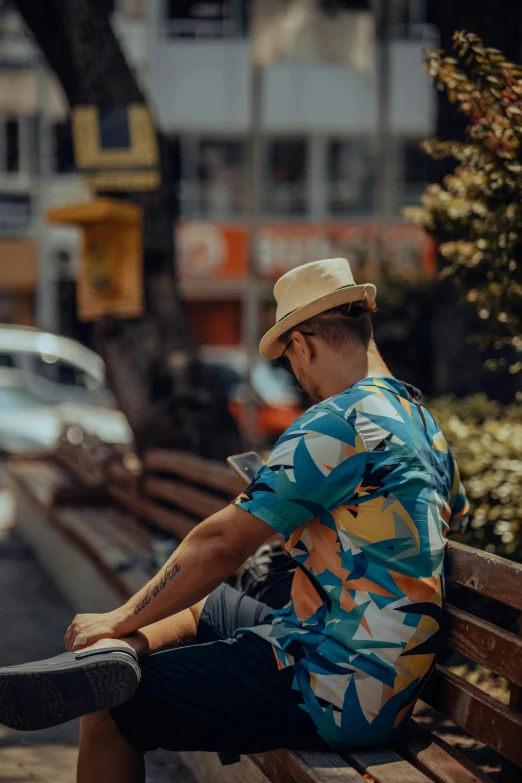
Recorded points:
303,346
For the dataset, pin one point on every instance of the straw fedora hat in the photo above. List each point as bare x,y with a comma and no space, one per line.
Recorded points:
307,291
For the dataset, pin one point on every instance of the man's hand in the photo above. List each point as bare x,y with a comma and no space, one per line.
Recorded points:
86,629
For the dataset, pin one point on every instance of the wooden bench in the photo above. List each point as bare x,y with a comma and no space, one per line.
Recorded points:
171,492
97,553
174,491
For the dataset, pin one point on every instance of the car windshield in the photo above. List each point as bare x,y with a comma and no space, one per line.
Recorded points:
14,397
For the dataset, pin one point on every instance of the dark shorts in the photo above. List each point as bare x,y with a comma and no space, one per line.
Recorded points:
221,694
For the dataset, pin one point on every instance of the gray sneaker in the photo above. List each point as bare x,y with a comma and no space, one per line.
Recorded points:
45,693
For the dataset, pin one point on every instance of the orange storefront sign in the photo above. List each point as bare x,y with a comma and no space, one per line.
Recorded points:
211,251
217,251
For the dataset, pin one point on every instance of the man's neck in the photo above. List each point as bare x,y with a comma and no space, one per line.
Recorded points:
376,364
344,371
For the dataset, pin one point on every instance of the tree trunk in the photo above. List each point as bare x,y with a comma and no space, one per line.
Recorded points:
168,396
458,364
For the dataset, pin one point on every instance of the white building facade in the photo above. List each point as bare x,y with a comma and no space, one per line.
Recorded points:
192,57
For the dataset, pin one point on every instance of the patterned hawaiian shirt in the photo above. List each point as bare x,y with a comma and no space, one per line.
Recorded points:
364,489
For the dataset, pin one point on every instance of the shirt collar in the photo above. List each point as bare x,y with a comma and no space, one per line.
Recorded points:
401,388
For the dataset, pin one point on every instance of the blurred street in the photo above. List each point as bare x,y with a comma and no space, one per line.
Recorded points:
33,618
212,215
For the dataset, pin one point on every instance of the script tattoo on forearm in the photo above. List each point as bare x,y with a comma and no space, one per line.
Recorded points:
168,574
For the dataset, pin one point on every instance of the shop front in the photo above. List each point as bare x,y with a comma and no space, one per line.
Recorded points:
212,263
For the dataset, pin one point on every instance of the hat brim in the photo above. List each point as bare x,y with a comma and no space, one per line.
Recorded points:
271,346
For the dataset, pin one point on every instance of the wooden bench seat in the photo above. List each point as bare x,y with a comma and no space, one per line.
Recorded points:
114,540
51,484
173,492
81,538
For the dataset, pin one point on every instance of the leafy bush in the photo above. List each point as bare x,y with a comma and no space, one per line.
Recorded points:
486,439
476,213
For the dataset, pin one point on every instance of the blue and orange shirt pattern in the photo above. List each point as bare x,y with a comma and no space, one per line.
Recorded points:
364,488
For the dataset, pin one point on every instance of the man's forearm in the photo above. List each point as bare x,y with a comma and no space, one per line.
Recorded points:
196,568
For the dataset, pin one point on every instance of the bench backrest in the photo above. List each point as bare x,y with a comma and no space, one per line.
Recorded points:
177,490
485,717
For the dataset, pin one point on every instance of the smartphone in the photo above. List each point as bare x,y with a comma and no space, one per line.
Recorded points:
246,465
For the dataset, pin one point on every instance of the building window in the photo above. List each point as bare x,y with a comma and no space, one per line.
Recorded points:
211,175
410,20
222,178
62,372
12,146
205,18
63,147
285,187
414,172
350,177
213,178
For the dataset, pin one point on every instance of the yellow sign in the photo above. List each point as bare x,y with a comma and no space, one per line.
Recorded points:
110,279
115,147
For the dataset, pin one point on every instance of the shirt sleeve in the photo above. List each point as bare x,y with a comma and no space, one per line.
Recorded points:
315,466
459,503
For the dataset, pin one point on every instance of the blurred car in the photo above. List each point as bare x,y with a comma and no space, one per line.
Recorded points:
55,368
30,423
276,398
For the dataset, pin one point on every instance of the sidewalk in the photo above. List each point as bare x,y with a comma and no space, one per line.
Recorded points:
33,619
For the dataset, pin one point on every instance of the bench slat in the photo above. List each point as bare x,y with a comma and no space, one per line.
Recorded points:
117,473
493,723
196,469
386,766
51,485
126,526
190,499
285,766
498,650
178,525
437,758
86,545
120,529
104,550
485,573
207,768
96,536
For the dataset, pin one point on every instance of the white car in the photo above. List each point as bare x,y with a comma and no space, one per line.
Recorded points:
30,423
55,368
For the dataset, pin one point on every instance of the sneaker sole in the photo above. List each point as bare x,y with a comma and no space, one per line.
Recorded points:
42,695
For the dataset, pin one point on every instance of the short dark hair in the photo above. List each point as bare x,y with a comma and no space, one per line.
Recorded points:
339,326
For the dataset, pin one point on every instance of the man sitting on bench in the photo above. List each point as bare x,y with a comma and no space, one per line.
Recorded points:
364,489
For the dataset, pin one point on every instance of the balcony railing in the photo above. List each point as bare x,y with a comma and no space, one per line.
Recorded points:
290,200
202,29
235,25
